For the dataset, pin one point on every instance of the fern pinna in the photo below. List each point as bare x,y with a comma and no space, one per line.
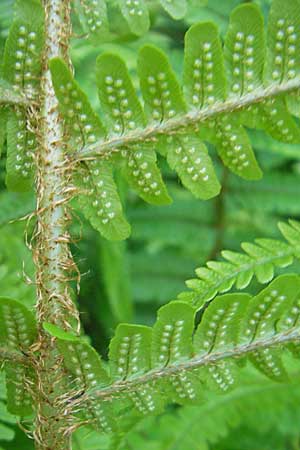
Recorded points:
202,340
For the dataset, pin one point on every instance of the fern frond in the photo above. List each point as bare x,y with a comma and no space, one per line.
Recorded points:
17,333
93,18
152,367
222,93
233,327
96,16
258,259
21,69
248,92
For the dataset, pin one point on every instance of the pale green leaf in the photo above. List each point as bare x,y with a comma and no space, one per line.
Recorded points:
136,15
244,50
176,8
117,95
129,351
172,334
159,86
204,78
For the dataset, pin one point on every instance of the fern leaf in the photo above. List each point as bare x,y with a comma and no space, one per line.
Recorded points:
189,157
220,323
268,306
18,330
117,95
88,374
7,420
291,232
129,351
92,15
159,86
244,50
129,354
205,85
283,61
176,8
233,327
144,176
17,333
221,100
259,259
21,145
172,334
204,76
102,206
163,100
21,68
269,363
234,147
279,122
136,15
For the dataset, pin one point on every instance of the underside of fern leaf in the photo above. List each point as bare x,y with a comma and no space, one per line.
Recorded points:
249,83
95,16
21,68
150,367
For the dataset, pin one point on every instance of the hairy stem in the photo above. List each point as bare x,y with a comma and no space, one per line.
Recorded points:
54,265
191,119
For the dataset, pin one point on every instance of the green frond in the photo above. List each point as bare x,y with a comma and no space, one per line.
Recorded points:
223,91
258,100
129,351
244,50
93,18
259,259
176,8
21,68
136,15
171,362
159,86
97,16
17,333
103,206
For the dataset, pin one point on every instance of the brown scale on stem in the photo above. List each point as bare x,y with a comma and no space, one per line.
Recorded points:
55,267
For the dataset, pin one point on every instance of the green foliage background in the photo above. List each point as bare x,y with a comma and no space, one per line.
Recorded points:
128,281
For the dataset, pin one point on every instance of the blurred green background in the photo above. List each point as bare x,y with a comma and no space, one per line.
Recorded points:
128,281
